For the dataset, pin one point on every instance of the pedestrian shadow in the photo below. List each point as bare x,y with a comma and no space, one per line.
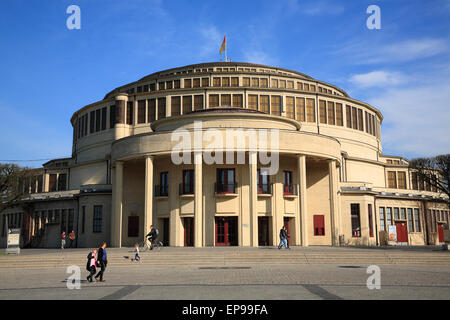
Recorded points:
74,281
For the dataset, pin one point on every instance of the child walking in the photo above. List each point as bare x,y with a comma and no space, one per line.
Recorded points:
91,265
136,253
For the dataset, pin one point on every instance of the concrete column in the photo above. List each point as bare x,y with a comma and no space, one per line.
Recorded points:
198,206
148,198
333,203
116,227
253,198
302,201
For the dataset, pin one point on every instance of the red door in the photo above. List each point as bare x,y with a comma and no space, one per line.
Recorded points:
226,231
286,226
441,233
263,231
402,232
188,232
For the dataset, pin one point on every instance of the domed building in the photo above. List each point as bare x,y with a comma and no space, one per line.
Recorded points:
226,153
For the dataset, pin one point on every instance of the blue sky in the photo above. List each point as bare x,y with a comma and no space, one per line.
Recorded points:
48,71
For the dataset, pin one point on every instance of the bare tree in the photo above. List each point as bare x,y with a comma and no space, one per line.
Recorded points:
13,182
434,171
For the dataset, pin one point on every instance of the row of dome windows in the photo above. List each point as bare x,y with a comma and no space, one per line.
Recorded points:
298,108
254,82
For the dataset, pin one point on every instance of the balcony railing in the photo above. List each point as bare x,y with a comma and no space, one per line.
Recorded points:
290,189
265,188
161,190
185,188
225,187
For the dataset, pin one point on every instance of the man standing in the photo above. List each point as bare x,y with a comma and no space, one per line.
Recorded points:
283,238
71,238
63,240
102,261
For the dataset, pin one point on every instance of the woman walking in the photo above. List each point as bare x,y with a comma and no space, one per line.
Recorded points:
102,261
91,264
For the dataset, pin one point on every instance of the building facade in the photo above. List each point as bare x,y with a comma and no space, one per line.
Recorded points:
333,186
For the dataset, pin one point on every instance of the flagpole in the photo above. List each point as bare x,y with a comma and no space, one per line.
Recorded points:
226,59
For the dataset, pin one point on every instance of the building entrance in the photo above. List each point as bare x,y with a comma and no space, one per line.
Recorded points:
188,224
402,233
263,231
226,231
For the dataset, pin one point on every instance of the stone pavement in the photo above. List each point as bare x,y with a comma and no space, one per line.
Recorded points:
231,273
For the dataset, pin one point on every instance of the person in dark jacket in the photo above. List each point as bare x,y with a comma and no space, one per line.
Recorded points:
283,238
102,261
91,265
152,236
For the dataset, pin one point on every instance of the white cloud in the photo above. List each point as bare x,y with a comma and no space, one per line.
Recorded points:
314,8
363,52
379,78
416,119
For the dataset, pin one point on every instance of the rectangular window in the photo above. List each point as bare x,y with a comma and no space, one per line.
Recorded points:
40,183
176,84
196,83
216,82
246,82
264,104
176,106
62,182
225,100
133,226
288,187
187,83
141,111
255,82
161,108
151,110
275,103
310,110
112,116
290,85
417,220
410,220
396,214
198,102
225,181
162,86
213,100
414,181
264,83
354,118
403,213
319,224
103,125
97,120
306,87
92,122
282,83
263,182
382,220
349,116
187,104
312,88
389,220
299,86
356,223
369,210
52,183
330,113
130,114
97,219
392,179
188,182
274,83
360,120
322,111
234,81
290,107
300,109
225,82
339,118
237,101
205,82
401,180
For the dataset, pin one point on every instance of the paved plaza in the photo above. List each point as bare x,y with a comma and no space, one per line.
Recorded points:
232,274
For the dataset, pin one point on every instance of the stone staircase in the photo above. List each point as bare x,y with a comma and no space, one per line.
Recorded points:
229,257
